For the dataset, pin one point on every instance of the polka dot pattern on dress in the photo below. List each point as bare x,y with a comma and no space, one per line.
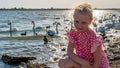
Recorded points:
85,44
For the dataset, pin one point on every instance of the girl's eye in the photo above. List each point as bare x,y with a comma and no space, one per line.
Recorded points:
83,22
76,21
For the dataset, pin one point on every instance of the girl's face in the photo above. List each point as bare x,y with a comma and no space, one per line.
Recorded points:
81,21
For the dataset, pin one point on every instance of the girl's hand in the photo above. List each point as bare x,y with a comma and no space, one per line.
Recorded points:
86,64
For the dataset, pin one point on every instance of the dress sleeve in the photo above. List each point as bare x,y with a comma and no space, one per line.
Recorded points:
98,41
70,37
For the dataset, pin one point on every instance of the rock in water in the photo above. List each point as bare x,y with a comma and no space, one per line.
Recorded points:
63,49
15,60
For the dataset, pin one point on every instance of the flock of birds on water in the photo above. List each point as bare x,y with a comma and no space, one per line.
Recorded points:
107,21
100,25
49,31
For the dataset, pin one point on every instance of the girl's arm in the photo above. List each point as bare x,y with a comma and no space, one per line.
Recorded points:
75,58
97,57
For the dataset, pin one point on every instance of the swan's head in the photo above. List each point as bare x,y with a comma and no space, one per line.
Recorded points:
33,22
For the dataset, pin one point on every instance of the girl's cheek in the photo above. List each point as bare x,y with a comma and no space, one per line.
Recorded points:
76,24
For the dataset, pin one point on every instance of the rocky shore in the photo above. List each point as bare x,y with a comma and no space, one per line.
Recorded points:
112,49
18,61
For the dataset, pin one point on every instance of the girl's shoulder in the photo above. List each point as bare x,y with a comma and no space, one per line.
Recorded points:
73,32
93,34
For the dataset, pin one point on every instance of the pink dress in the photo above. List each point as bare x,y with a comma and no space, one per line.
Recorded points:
85,44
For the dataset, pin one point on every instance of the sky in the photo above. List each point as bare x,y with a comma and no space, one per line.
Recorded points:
57,3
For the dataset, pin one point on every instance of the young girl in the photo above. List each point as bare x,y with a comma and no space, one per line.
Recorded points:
85,47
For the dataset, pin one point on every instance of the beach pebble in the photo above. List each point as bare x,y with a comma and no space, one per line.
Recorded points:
63,49
55,59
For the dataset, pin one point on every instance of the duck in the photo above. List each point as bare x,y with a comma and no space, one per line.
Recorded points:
24,34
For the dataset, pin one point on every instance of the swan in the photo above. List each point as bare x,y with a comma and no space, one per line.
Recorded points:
12,29
15,29
52,32
101,29
36,28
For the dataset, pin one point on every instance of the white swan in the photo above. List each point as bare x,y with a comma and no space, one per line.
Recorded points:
36,28
52,32
15,29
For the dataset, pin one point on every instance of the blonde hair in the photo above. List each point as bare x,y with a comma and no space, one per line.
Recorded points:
84,8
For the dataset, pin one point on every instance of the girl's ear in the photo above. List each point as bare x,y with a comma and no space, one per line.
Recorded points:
94,19
91,20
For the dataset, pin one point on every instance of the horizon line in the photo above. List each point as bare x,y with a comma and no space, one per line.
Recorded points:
51,8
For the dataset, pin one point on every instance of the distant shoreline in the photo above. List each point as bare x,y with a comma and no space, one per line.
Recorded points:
39,9
106,8
56,9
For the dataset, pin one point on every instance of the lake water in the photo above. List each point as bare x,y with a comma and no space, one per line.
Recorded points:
21,20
